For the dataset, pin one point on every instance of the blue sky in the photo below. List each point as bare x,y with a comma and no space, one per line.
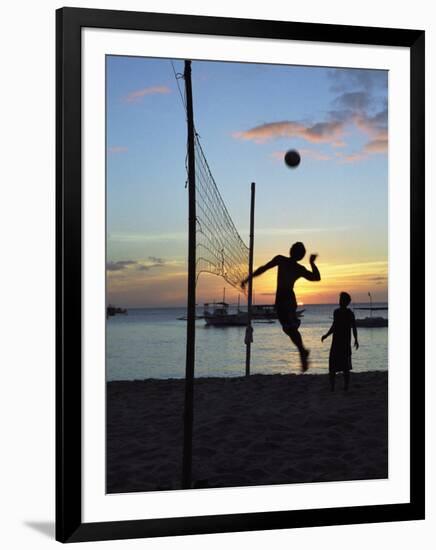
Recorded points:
247,116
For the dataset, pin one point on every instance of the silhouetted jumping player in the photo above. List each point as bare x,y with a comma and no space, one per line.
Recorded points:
289,271
340,351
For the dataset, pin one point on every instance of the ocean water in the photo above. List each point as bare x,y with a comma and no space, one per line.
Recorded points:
150,343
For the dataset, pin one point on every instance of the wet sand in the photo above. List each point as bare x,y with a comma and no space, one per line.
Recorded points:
261,430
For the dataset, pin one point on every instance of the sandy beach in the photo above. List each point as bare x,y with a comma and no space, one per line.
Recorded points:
265,429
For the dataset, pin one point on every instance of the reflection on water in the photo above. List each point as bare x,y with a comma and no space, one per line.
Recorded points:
150,343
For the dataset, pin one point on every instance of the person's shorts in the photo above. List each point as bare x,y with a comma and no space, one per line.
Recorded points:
287,316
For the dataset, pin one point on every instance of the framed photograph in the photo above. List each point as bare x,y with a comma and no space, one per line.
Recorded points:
240,306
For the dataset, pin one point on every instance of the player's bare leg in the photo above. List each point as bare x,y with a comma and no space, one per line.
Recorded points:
296,338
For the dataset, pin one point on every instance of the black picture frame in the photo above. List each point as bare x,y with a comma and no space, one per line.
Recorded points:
69,525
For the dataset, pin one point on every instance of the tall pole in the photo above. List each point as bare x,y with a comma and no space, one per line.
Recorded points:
249,329
190,335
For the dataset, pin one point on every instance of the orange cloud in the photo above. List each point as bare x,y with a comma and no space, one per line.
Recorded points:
376,146
351,157
137,95
374,126
315,155
321,132
372,147
332,131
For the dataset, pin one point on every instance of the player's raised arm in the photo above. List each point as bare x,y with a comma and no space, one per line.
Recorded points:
313,275
273,263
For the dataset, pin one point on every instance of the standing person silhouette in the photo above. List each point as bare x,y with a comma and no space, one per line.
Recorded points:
340,351
289,271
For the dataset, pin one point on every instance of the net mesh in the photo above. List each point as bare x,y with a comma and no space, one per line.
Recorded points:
220,248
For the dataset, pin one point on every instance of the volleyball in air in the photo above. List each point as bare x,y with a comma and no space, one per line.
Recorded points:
292,158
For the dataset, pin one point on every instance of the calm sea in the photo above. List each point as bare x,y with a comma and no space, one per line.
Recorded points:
150,343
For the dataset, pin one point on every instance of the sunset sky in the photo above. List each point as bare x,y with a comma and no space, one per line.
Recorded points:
247,116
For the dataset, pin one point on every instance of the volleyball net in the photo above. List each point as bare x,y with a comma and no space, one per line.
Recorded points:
220,249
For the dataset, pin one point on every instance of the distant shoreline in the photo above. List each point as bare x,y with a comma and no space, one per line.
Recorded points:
261,374
334,304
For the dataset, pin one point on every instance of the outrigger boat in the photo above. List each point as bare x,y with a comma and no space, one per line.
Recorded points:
112,310
217,315
268,311
372,322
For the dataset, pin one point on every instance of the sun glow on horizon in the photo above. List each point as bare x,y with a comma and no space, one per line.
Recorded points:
166,284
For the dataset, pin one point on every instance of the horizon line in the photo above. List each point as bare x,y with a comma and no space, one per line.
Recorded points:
263,304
